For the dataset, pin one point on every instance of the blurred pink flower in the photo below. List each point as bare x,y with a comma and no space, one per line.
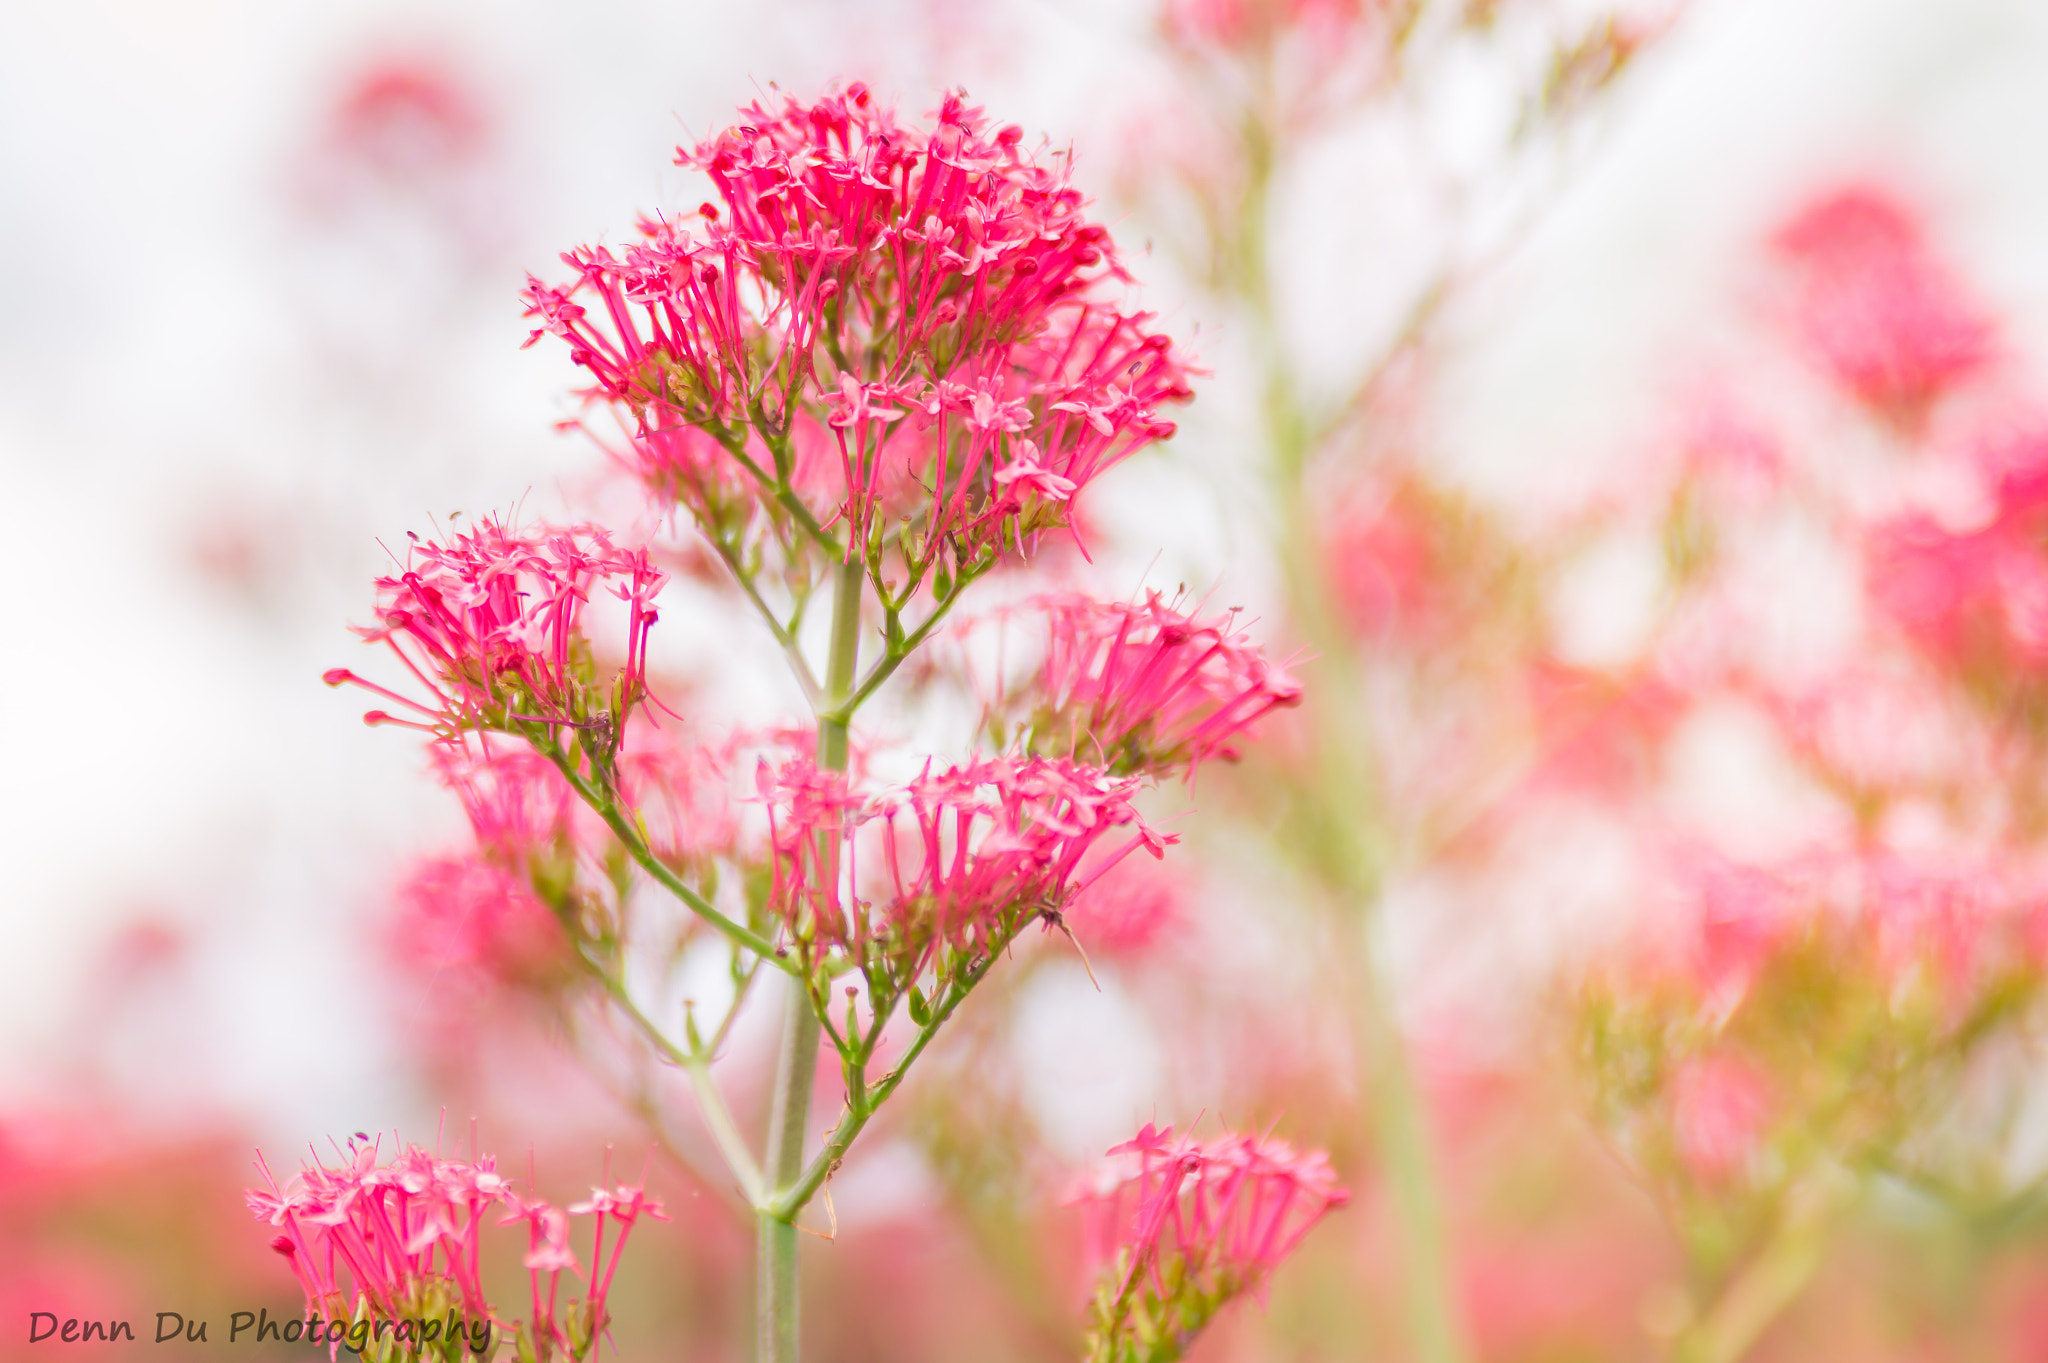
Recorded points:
407,120
1720,1111
1878,312
1975,599
1131,912
478,918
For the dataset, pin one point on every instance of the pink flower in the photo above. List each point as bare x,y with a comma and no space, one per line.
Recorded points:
1184,1226
625,1205
517,803
480,918
961,857
403,1240
1878,313
396,1237
489,624
681,789
1139,688
1976,600
1131,912
949,276
1720,1110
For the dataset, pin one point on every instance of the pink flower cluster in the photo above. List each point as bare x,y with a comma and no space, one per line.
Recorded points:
402,1240
961,857
1952,928
1199,1222
1139,687
1877,311
489,624
1975,598
935,300
481,919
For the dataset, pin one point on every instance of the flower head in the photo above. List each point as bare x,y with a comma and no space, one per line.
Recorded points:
961,857
1876,310
1975,600
1139,687
401,1241
490,625
1720,1110
931,301
1182,1227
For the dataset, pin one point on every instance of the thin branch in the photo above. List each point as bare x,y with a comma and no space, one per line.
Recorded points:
798,664
629,838
791,1200
731,1144
886,665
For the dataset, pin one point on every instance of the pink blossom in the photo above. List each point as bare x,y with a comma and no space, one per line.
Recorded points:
517,803
403,1239
478,917
1140,907
1139,687
1720,1110
960,857
1877,311
489,625
1184,1226
390,1237
941,274
623,1205
1976,600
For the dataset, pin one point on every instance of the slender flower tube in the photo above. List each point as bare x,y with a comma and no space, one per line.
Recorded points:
1181,1227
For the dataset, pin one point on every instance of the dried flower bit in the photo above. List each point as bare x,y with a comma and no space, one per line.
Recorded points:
1178,1228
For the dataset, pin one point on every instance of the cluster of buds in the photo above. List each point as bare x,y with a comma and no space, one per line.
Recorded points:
390,1255
1141,688
489,624
934,305
1180,1227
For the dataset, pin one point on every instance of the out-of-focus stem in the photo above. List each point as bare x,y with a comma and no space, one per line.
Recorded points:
1773,1279
796,1069
1345,802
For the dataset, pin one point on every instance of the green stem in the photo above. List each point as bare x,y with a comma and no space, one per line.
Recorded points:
731,1145
1774,1278
797,1066
629,838
795,1072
